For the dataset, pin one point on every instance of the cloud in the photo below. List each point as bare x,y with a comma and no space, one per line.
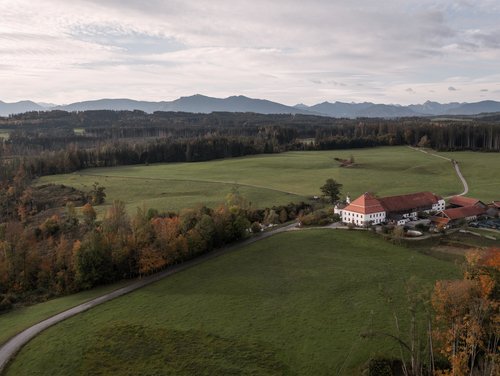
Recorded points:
452,88
344,50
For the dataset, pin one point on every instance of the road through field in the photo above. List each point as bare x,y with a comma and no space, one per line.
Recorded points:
455,166
11,347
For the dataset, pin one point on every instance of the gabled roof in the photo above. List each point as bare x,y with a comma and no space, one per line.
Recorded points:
495,204
463,212
464,201
440,220
410,201
365,204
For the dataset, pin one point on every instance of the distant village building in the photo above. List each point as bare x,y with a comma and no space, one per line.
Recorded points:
369,209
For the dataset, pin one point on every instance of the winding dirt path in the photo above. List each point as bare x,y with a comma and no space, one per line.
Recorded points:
455,166
11,347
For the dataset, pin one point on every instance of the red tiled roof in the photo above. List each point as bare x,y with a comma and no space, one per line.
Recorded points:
365,204
463,201
496,204
440,220
410,201
463,212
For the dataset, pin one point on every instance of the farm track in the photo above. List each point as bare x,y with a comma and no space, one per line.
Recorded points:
12,346
455,166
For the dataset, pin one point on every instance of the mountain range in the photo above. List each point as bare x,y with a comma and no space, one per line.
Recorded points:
203,104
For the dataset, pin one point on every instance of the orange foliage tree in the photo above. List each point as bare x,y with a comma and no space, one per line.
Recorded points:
467,321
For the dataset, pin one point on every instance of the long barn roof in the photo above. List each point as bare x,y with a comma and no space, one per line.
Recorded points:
367,203
410,201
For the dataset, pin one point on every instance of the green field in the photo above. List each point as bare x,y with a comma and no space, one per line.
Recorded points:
294,303
5,133
480,171
268,180
19,319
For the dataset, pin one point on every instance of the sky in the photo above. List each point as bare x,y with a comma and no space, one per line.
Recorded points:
294,51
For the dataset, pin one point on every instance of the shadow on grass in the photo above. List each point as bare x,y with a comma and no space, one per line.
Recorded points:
124,349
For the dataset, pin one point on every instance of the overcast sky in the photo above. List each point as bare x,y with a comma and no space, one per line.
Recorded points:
390,51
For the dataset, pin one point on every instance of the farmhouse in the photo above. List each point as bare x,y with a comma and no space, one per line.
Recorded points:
450,217
494,208
461,201
369,209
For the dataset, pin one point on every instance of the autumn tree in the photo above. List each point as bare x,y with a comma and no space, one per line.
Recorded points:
97,194
71,221
93,262
116,230
467,317
116,223
236,199
271,217
89,215
424,142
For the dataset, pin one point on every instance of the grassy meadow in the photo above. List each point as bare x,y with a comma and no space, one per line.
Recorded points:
268,180
17,320
294,304
5,133
481,172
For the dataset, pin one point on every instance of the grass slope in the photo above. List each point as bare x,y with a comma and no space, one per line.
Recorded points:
480,171
17,320
291,304
268,180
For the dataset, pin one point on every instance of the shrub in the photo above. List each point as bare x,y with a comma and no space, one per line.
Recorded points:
384,367
255,227
6,303
319,217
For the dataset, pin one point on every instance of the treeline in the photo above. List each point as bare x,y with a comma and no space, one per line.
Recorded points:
45,253
59,142
44,128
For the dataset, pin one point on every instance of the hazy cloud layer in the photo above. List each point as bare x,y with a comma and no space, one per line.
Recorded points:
288,51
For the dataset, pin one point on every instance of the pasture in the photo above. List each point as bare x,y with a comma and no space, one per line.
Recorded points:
5,133
267,180
481,172
295,303
20,318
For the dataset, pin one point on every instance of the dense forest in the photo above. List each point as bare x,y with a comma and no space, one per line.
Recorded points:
58,142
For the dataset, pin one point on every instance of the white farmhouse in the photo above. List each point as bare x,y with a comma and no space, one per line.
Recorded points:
369,209
364,210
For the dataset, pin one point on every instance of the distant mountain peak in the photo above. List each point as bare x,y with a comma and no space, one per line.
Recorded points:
239,103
